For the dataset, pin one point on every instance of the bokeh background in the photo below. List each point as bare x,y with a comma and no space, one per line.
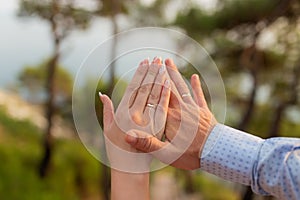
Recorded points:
255,44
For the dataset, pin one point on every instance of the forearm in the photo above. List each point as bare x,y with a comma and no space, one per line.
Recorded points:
230,154
129,186
270,166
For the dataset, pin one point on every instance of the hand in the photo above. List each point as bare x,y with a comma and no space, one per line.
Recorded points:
143,107
189,123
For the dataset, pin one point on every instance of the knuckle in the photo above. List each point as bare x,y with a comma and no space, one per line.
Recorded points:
144,88
148,144
132,88
154,96
152,71
143,144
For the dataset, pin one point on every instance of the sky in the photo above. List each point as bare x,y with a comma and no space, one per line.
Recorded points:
28,42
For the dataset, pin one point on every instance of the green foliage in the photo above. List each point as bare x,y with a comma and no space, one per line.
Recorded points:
103,87
111,7
231,14
155,12
33,79
213,189
21,129
74,174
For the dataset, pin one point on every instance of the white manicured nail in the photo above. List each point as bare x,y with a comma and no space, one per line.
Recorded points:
162,69
167,83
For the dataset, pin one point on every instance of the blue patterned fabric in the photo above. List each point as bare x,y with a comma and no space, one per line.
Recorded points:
271,166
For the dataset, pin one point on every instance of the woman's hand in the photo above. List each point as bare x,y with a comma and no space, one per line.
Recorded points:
189,123
143,107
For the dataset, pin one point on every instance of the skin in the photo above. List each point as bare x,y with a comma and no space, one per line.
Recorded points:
130,173
189,122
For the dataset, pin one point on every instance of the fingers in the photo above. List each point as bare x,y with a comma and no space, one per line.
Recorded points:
155,93
108,111
181,87
197,91
146,86
135,83
143,141
166,152
165,97
161,112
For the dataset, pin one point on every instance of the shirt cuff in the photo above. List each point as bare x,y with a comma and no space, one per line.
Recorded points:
230,154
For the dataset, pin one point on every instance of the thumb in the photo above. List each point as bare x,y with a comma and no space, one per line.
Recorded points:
108,110
143,141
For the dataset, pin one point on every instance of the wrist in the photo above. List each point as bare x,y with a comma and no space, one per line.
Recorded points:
132,177
131,186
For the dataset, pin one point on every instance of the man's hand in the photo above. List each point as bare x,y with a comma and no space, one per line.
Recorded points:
189,123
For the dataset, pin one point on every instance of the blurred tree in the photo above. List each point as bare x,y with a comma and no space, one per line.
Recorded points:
87,129
112,9
155,12
63,17
33,83
33,80
232,33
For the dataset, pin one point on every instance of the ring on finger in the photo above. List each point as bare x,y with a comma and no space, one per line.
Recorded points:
150,105
186,95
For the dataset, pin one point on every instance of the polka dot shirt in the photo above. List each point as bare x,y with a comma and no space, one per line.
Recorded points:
271,166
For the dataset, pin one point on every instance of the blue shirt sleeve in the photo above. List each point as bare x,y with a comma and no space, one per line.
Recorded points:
271,167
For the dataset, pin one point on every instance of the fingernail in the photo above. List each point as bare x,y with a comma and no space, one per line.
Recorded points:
143,64
169,62
100,96
167,83
162,69
157,60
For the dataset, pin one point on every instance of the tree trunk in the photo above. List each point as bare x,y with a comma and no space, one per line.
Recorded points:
251,103
113,55
276,121
115,10
189,184
252,60
244,123
274,130
50,108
